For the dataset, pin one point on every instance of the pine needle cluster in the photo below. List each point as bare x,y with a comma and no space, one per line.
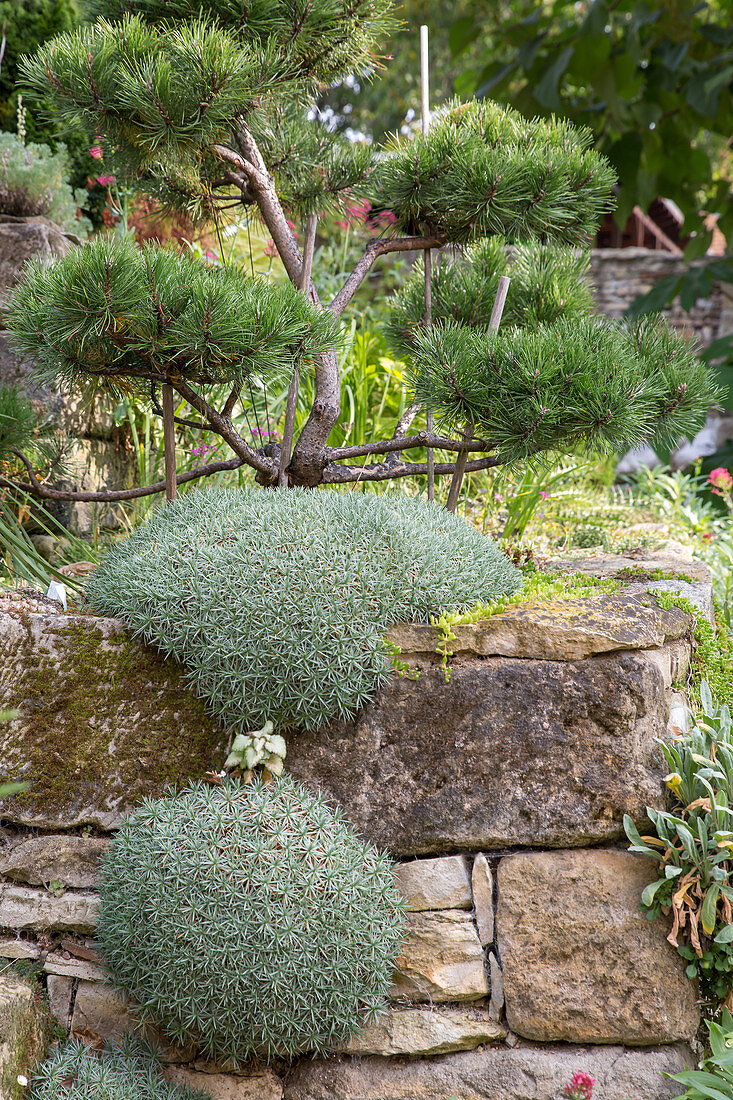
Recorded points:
547,281
579,381
484,170
250,920
277,603
113,310
127,1071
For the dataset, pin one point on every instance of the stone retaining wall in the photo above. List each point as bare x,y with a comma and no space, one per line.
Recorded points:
526,958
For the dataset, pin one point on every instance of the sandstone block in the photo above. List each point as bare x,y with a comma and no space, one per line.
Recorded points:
60,992
102,1014
264,1085
441,959
443,883
482,887
25,909
493,1073
580,961
104,721
71,860
419,1032
509,753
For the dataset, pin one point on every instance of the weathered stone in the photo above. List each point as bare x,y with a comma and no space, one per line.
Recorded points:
493,1073
18,949
581,963
60,991
23,1033
482,887
73,968
496,979
101,1013
28,910
104,721
23,239
631,570
71,860
420,1032
441,959
553,630
699,593
509,752
442,883
262,1085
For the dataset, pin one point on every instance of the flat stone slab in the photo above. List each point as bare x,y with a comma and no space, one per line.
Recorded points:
258,1085
69,860
630,569
508,753
27,910
441,959
103,722
425,1032
580,962
443,883
553,630
24,1033
523,1072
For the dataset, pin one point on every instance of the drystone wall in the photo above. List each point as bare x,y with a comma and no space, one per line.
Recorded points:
500,791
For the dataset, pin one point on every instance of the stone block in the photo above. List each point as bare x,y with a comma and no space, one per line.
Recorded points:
60,991
523,1072
509,753
70,860
421,1032
262,1085
441,959
443,883
580,961
27,910
104,721
482,887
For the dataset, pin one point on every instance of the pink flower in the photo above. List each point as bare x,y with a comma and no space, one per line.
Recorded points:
96,152
544,495
105,181
580,1087
721,480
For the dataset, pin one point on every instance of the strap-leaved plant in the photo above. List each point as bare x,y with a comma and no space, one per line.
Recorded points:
206,105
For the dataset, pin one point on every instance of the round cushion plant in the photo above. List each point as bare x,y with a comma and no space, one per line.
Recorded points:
249,919
277,603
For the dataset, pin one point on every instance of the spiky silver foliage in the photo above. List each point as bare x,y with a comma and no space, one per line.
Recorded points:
128,1071
277,603
249,919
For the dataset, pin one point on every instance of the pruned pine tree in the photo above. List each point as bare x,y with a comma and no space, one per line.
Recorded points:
205,105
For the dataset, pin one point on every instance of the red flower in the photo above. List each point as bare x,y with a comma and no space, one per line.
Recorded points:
580,1087
96,152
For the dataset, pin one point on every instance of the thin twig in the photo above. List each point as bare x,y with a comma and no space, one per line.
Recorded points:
342,475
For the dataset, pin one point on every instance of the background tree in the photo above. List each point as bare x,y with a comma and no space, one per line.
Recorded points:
653,80
211,111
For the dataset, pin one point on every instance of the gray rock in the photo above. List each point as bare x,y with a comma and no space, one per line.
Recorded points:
71,860
699,593
55,963
523,1072
441,959
260,1085
553,630
508,753
102,1014
496,978
60,992
581,963
24,239
443,883
103,722
27,910
420,1032
628,569
482,885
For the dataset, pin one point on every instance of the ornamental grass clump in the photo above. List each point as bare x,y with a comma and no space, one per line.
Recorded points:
278,603
128,1071
249,920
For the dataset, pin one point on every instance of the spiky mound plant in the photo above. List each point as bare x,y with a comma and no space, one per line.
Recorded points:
277,603
249,919
128,1071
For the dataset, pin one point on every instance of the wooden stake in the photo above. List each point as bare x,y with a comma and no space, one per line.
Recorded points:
427,255
292,402
169,443
496,312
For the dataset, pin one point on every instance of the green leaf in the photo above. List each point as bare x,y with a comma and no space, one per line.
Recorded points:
649,892
546,90
661,294
462,34
725,935
708,914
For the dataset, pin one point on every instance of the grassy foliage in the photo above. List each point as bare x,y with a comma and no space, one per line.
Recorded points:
249,919
129,1071
277,603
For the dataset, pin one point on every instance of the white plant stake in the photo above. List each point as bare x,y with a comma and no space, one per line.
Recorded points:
57,593
427,255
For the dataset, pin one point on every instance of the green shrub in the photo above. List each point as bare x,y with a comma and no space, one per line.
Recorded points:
129,1071
33,181
714,1079
277,603
249,919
